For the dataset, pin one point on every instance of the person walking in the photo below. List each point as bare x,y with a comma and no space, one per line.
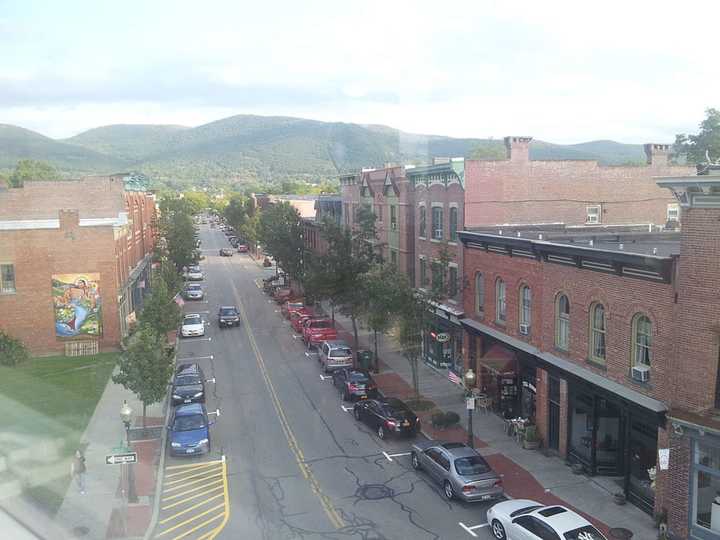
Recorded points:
77,470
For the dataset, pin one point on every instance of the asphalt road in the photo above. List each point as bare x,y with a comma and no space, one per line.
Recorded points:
297,463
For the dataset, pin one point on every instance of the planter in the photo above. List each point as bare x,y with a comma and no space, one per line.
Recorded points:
619,498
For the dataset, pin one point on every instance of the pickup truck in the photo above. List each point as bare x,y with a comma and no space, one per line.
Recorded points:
317,330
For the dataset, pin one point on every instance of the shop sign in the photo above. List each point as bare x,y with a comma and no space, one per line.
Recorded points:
442,337
663,458
470,403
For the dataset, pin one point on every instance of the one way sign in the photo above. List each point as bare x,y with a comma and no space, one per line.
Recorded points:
118,459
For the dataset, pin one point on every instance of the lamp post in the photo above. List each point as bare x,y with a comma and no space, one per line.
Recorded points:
126,414
469,379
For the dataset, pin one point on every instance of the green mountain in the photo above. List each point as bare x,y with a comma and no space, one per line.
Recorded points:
247,147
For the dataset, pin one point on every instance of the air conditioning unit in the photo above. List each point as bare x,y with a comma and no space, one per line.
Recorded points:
524,329
641,373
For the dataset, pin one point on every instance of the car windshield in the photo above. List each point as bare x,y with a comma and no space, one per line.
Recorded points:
188,423
320,324
342,352
187,380
194,287
471,466
358,377
228,311
193,320
295,305
525,510
587,532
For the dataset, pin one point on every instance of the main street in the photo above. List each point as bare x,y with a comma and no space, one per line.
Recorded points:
294,461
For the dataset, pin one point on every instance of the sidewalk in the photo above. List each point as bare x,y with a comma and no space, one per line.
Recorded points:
526,473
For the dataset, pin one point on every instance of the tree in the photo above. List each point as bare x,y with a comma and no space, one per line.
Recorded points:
698,148
380,286
280,231
12,350
29,169
236,211
178,231
197,201
161,312
146,367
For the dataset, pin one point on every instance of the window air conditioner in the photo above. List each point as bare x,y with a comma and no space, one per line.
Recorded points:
524,329
641,373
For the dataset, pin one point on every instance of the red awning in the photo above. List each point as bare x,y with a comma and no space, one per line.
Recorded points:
499,360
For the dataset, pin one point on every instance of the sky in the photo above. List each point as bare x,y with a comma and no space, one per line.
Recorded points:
561,71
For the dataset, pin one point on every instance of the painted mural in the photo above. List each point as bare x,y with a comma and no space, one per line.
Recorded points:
76,298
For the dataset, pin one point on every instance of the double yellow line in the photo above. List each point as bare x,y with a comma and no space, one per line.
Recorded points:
307,473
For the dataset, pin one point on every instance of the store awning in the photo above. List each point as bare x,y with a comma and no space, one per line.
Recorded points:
499,360
572,368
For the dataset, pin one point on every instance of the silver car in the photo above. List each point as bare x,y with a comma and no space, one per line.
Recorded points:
335,354
193,291
460,470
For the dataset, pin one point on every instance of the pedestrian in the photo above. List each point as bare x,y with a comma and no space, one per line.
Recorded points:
77,470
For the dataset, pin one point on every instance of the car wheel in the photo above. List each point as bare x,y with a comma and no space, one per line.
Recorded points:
415,460
498,530
448,491
356,414
381,432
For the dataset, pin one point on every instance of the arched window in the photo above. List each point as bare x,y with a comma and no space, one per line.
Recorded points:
562,323
423,222
525,309
500,301
597,333
642,340
479,293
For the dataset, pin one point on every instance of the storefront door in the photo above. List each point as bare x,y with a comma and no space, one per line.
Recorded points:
642,448
596,434
554,413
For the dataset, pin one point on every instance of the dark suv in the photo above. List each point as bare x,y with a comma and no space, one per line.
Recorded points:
188,384
228,316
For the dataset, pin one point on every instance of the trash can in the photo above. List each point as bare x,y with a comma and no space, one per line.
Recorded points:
365,359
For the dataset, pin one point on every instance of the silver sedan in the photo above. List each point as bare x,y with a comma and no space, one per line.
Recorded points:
459,469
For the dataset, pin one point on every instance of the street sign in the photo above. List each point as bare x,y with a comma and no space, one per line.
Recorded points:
442,338
470,403
119,459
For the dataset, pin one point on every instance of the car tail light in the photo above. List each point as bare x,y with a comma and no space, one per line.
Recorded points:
498,483
353,387
468,489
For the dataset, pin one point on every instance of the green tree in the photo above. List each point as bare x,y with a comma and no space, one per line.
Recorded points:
161,312
12,350
236,211
380,286
198,201
280,231
705,145
146,367
30,169
178,231
488,150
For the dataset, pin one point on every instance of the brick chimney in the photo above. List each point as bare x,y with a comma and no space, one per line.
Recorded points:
69,219
657,154
518,148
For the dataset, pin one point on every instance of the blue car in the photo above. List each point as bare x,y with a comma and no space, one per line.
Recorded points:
189,430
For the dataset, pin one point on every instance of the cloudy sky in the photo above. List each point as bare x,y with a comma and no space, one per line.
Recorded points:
632,71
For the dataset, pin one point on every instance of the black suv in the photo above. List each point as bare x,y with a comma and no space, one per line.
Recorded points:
228,316
188,385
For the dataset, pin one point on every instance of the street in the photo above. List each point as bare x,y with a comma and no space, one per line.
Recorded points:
285,449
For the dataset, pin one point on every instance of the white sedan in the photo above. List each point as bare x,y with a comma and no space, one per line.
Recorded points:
523,519
192,325
195,274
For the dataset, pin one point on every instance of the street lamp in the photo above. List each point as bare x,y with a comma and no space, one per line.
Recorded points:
126,414
469,379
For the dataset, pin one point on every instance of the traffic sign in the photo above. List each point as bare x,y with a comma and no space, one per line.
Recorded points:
118,459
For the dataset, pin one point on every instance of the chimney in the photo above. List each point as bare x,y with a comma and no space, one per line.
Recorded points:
657,154
518,148
69,219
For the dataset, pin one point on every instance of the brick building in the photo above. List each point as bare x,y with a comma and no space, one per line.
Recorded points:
74,261
518,190
609,341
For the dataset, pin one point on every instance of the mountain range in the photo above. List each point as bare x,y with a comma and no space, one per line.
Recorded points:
267,148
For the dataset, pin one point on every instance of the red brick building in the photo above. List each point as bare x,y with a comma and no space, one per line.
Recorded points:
609,341
74,261
518,190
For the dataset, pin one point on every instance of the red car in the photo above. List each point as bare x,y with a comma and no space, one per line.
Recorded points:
317,330
290,306
298,318
242,248
281,295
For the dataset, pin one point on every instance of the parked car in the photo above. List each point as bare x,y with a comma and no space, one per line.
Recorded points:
194,273
522,519
226,252
188,384
233,241
388,417
290,306
281,294
193,291
298,318
461,471
192,325
317,330
334,354
189,430
228,316
353,383
242,248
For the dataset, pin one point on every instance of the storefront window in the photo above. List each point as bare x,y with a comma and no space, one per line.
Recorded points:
527,393
607,456
581,427
707,487
643,459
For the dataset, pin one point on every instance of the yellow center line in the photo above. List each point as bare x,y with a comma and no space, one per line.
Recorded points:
194,468
325,502
197,475
190,509
214,482
190,520
173,505
200,526
175,488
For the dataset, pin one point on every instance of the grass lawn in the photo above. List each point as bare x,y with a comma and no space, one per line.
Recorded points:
51,399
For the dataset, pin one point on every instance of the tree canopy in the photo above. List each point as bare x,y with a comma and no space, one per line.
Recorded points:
696,149
30,169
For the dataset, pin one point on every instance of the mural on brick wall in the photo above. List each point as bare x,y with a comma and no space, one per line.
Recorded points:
76,299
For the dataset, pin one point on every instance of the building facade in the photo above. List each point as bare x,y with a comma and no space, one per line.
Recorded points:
74,262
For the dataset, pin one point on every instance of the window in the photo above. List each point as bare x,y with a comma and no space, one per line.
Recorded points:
393,217
438,276
452,282
437,222
500,301
479,293
379,212
597,333
7,278
673,212
562,323
423,221
642,340
423,273
393,257
593,214
525,306
453,223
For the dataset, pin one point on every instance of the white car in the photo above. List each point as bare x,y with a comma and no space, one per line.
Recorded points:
523,519
192,325
195,274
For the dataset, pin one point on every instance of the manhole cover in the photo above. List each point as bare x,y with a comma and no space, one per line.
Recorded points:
80,531
373,492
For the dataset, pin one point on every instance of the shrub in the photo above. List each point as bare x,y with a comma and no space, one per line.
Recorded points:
444,420
451,418
12,350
